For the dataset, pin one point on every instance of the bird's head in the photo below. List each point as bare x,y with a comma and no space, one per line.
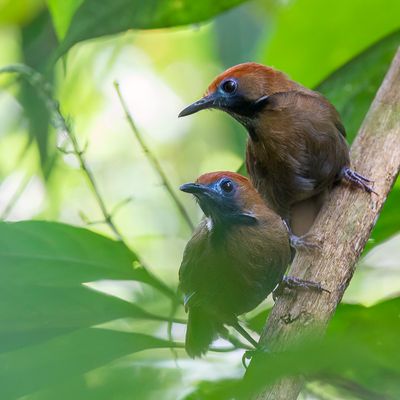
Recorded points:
242,91
225,197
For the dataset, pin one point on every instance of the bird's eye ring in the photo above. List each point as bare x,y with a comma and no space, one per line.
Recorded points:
227,186
229,86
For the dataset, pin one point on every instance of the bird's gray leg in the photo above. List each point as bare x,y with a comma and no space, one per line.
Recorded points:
257,347
244,333
304,242
356,179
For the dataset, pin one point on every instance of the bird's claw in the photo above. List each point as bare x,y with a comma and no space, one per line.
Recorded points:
358,180
307,242
290,282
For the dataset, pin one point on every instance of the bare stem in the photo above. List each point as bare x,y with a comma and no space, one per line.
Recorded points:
153,159
15,197
60,124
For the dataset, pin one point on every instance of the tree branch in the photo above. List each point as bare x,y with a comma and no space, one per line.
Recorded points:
344,225
153,160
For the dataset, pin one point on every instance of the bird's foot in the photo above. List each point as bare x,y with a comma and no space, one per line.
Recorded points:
358,180
290,282
307,242
248,354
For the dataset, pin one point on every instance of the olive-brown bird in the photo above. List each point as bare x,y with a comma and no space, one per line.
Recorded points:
296,149
234,260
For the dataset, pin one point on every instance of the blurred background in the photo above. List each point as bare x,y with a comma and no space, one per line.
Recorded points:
159,71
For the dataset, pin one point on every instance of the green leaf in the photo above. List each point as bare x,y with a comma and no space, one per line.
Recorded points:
62,13
311,38
388,223
38,42
96,18
360,347
43,267
150,379
33,314
32,368
352,87
58,255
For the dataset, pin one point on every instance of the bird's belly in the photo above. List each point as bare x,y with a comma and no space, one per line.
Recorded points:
240,292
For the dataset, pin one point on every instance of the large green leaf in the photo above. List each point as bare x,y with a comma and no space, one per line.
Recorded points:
352,87
38,42
312,38
43,267
58,255
31,368
150,379
62,13
360,347
94,18
32,314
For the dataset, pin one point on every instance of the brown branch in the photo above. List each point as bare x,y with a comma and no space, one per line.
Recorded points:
344,225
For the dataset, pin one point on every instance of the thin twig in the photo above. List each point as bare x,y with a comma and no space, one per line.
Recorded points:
153,159
15,197
60,124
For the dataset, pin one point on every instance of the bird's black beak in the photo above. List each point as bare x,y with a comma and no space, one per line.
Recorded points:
202,104
202,192
195,188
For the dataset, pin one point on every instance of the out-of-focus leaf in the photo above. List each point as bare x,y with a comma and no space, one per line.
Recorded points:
58,255
257,322
242,170
31,368
238,45
360,346
96,18
213,390
148,380
42,268
62,12
313,38
388,223
32,314
352,87
19,12
38,42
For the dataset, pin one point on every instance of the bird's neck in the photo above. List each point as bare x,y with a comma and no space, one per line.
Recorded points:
219,225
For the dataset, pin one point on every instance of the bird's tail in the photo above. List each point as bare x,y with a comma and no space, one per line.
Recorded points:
200,332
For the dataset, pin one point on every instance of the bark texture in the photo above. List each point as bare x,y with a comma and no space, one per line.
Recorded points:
344,226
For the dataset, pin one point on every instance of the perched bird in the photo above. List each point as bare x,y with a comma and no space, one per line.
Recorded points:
296,149
235,258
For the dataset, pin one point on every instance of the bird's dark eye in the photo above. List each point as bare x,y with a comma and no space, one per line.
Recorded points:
227,186
229,86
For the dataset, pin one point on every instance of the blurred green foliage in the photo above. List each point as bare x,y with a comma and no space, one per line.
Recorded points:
84,316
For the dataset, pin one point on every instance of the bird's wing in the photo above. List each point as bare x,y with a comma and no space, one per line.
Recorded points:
316,135
192,266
